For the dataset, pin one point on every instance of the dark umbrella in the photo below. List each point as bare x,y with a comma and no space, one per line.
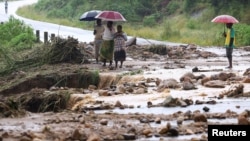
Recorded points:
89,15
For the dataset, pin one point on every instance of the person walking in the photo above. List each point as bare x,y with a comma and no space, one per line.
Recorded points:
107,48
120,39
6,7
229,43
98,32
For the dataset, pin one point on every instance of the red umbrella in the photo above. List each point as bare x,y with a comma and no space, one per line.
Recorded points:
110,16
225,19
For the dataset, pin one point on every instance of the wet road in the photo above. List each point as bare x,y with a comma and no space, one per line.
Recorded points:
59,30
86,35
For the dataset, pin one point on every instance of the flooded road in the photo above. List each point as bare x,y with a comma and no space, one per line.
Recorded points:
137,114
157,70
220,107
40,125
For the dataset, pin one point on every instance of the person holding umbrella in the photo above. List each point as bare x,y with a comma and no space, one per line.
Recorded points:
229,43
107,49
229,35
98,32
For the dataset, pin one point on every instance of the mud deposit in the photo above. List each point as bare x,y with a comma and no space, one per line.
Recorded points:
161,93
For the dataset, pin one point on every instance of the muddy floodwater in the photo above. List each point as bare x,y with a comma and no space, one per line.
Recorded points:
137,108
170,92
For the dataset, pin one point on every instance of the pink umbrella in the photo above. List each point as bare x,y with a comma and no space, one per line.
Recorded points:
225,19
110,16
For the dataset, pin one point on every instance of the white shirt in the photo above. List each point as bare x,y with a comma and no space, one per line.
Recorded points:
107,34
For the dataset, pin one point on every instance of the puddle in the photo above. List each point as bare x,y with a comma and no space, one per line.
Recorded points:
221,107
21,124
35,122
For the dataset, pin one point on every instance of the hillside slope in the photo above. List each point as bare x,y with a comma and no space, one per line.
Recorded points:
184,21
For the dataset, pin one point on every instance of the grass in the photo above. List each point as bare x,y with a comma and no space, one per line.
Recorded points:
173,29
29,12
145,32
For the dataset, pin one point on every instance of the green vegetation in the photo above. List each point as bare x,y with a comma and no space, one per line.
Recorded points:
185,21
15,37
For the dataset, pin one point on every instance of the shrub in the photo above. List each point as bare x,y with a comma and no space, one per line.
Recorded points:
15,33
149,20
191,24
242,33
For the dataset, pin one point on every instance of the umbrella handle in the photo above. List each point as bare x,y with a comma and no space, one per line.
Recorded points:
224,28
224,33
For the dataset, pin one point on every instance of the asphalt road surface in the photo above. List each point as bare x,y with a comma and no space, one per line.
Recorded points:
59,30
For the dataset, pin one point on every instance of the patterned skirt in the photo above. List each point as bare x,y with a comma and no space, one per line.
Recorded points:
120,55
107,50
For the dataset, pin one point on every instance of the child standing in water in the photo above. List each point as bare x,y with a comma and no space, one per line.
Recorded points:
119,43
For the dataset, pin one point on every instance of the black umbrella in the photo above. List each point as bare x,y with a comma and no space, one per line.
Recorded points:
89,15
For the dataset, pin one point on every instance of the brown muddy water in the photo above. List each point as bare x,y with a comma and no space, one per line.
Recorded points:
138,103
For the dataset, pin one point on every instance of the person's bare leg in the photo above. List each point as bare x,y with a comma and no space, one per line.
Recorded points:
96,60
116,62
110,63
104,62
229,52
121,64
230,62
